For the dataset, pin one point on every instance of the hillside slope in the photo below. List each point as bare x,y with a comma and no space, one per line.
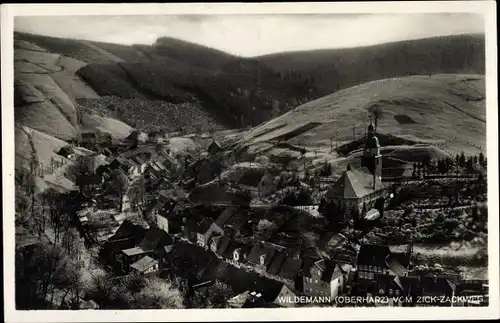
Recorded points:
335,69
237,91
446,111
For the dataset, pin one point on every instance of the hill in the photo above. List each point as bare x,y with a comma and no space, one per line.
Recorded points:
47,91
239,92
443,113
333,69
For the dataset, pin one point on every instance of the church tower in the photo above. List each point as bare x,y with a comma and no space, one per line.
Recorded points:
371,158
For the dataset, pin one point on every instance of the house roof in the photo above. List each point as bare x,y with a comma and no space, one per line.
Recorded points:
215,143
155,238
290,268
276,263
373,255
133,251
226,215
436,285
242,280
223,243
89,180
127,230
144,264
234,245
262,249
198,223
354,184
395,266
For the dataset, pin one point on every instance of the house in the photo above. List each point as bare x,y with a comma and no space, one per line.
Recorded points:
214,147
156,243
159,184
393,286
66,152
219,244
89,184
145,265
137,137
165,157
199,229
138,166
226,215
262,254
236,253
121,163
321,277
88,138
153,210
156,137
290,269
106,138
435,286
171,214
285,297
156,169
373,260
127,236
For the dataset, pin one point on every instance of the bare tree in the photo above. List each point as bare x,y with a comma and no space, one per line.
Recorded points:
119,184
55,206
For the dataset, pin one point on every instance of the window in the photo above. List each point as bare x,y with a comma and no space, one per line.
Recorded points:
390,291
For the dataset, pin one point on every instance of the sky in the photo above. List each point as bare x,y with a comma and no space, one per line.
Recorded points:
253,35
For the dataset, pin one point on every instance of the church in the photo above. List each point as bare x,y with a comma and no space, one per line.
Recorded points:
361,188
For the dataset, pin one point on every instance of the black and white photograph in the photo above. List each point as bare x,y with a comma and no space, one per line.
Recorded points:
222,159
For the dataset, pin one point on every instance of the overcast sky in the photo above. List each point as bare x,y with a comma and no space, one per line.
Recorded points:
251,35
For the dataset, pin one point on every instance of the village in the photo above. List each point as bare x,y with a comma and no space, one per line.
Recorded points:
149,211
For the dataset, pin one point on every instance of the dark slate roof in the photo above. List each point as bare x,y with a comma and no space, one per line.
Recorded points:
260,249
290,268
276,263
329,271
214,143
223,243
187,255
373,255
233,245
155,238
410,284
89,180
226,215
436,285
354,183
308,262
128,230
241,280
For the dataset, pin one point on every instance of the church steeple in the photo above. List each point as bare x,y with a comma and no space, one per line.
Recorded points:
371,158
